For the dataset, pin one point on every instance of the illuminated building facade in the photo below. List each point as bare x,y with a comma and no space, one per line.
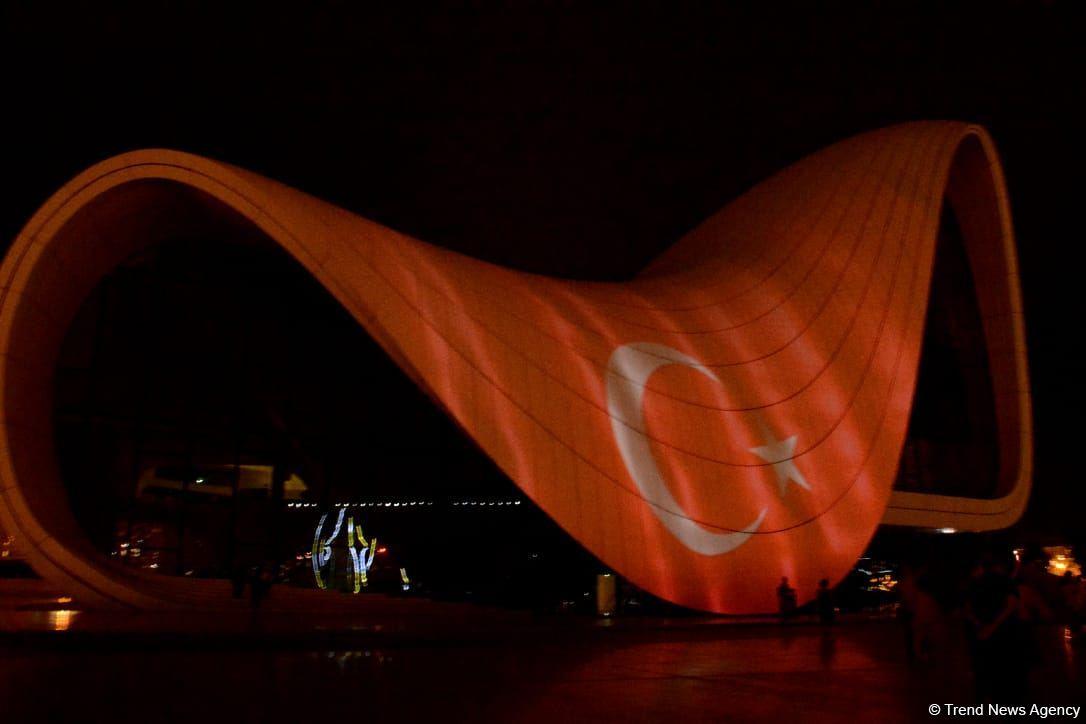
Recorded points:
736,413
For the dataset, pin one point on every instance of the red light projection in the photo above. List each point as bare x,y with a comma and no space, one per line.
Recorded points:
733,415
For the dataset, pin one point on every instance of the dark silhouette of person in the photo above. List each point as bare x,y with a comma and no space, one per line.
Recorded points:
824,603
786,599
238,575
1073,601
997,634
918,612
260,582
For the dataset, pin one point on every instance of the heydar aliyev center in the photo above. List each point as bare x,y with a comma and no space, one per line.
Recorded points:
735,413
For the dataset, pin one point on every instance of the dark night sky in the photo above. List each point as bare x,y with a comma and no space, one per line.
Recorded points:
567,140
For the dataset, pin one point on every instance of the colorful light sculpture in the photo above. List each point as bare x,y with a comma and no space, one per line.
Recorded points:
360,553
734,414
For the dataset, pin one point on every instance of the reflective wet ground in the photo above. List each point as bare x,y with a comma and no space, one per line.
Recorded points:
472,667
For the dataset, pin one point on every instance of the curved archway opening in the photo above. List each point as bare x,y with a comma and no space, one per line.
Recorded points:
952,443
212,401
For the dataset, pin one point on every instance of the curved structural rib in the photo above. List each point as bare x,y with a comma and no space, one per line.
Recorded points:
734,414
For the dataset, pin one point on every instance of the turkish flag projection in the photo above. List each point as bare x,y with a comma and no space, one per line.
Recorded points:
733,415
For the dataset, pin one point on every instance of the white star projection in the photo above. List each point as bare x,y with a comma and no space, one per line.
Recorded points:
780,454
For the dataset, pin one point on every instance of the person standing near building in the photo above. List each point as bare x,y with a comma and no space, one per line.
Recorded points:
827,614
996,633
786,599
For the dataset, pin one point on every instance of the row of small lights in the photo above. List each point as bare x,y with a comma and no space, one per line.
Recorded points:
407,504
487,502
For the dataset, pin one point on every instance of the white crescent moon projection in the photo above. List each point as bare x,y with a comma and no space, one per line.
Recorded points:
628,372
